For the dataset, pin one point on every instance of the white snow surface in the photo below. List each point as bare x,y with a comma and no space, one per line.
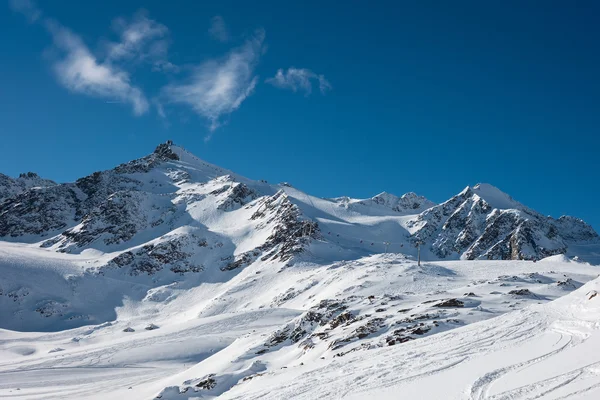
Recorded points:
497,345
240,305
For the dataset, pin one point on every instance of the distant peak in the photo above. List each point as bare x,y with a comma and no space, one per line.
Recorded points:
386,196
28,175
495,197
411,195
408,201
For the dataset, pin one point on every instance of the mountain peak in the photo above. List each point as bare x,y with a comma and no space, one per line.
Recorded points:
165,150
495,197
28,175
407,202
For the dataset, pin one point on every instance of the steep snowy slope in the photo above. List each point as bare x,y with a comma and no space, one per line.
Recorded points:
170,217
184,280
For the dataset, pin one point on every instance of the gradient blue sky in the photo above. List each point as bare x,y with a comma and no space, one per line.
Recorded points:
417,96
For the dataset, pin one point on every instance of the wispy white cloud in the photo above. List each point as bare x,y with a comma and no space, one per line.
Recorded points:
27,8
213,89
218,87
141,39
79,71
299,79
218,30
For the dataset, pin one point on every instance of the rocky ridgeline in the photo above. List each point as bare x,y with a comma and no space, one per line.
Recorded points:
11,187
45,210
174,254
470,226
290,232
107,210
233,194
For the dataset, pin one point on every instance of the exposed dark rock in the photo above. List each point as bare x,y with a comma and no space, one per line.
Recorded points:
521,292
344,318
290,234
421,330
207,383
241,260
151,258
450,303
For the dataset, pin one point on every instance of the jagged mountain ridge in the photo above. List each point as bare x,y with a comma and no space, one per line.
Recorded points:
11,187
171,194
216,281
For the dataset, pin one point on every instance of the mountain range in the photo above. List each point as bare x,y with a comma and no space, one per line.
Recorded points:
168,277
172,198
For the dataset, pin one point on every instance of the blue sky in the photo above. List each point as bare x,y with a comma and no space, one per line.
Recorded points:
397,96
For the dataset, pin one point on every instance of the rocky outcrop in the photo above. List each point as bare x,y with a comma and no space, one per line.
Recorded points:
95,203
290,232
174,254
482,222
39,211
11,187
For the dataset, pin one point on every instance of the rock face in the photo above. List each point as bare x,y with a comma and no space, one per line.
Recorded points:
152,213
170,221
11,187
483,222
147,212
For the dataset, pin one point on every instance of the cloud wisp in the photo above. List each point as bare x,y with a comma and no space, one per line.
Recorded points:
141,40
218,29
299,79
77,69
218,87
213,89
80,71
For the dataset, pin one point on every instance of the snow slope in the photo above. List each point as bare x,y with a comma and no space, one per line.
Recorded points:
547,351
278,332
168,276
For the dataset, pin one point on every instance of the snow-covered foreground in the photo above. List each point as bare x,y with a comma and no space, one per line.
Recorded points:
379,326
547,351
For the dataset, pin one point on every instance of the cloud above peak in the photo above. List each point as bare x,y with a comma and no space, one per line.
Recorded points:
213,88
141,40
79,71
299,79
218,87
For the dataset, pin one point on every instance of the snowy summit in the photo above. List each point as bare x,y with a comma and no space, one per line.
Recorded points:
168,277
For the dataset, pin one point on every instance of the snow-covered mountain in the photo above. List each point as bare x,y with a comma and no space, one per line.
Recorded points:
29,180
171,192
208,281
483,222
